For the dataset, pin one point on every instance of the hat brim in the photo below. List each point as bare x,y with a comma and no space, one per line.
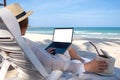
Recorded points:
25,16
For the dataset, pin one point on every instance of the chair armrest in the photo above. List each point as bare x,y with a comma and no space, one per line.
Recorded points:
4,67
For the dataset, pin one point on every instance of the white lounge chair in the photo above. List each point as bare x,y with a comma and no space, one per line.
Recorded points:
12,42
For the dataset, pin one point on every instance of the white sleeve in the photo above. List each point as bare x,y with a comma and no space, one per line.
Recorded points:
53,63
81,68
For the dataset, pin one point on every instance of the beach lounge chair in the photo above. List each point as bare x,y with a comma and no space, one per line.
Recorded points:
11,42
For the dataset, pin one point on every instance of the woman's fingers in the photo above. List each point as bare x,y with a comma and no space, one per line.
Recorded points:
101,66
51,50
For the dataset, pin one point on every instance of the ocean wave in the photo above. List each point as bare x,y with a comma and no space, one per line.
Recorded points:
41,32
94,33
87,34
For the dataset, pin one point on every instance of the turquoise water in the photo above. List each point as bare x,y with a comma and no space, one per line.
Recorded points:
94,32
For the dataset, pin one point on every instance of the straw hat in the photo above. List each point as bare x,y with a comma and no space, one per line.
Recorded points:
18,11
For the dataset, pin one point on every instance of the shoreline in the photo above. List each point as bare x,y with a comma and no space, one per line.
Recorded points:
82,32
80,36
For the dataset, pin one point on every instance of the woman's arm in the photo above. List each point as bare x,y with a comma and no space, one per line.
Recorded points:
74,55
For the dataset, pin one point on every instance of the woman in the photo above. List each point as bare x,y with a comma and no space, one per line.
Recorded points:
52,62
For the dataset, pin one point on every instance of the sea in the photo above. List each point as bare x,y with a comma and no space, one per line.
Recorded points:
82,32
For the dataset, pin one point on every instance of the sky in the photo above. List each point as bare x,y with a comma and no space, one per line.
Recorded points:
72,13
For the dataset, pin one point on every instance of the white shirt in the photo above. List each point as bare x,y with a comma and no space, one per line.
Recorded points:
54,63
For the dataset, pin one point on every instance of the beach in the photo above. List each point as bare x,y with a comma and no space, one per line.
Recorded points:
84,48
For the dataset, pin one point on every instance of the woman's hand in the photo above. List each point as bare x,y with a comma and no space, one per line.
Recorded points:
96,66
51,50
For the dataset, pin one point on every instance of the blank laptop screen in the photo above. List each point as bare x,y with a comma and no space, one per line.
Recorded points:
63,35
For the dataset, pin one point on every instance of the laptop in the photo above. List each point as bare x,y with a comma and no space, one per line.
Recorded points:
62,39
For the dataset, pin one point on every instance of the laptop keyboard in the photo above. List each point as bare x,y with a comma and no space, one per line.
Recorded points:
60,50
61,45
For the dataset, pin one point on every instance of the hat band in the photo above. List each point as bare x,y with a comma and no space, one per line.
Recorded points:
21,15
